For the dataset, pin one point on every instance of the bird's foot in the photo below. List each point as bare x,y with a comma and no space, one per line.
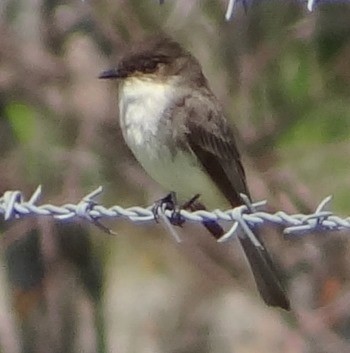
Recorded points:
170,203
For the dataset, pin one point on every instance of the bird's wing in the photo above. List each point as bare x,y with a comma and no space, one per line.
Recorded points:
210,138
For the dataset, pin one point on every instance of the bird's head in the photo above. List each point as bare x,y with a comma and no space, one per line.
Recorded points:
158,59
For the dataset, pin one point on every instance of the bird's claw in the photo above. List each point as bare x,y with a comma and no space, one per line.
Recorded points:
189,205
176,218
169,202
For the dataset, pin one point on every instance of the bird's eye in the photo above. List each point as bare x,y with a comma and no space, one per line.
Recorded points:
150,66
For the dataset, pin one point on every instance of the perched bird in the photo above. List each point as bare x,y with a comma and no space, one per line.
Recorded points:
176,128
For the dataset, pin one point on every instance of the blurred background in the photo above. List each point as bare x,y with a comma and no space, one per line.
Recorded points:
283,76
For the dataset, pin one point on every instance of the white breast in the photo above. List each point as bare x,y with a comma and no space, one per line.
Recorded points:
141,105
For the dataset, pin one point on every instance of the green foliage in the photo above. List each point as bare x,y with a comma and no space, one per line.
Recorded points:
22,120
327,122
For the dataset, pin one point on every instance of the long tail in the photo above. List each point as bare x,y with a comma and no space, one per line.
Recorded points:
265,273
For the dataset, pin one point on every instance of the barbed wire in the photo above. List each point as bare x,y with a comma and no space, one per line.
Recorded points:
310,4
243,218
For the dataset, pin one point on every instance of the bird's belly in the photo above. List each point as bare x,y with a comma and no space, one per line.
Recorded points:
179,172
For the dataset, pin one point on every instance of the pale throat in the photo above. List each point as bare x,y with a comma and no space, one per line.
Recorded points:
142,102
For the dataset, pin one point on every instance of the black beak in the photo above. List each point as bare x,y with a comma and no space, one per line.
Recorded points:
111,74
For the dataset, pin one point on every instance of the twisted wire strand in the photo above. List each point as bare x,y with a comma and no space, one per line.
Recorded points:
310,4
244,218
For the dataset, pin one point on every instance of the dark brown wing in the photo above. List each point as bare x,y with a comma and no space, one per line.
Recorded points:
210,138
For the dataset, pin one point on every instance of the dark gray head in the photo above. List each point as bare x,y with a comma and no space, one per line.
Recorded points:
158,58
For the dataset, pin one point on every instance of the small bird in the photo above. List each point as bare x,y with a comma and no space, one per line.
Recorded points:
176,129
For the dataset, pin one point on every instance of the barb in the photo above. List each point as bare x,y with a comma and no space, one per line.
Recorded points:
310,4
229,10
231,4
245,218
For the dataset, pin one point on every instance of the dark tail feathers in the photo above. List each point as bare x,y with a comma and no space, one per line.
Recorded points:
265,273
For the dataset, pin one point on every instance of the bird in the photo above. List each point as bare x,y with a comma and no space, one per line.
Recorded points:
177,130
